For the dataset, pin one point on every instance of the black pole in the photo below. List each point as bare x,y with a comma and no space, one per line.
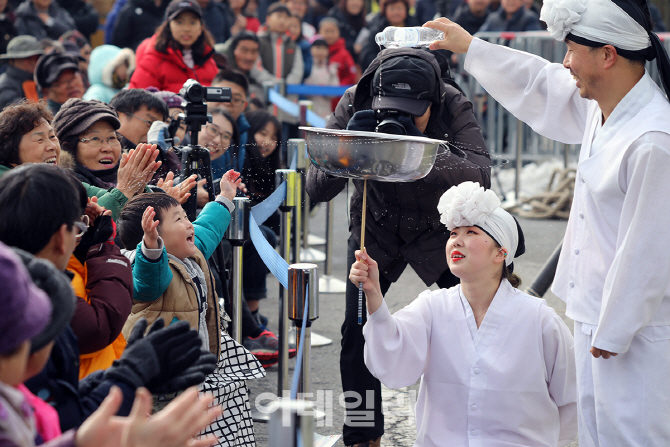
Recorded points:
546,276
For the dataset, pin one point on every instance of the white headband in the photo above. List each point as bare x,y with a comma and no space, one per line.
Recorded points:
469,204
600,21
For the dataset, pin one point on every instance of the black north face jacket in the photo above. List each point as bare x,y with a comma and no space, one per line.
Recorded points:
403,224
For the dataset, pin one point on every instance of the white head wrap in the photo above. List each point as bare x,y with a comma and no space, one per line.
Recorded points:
469,204
600,21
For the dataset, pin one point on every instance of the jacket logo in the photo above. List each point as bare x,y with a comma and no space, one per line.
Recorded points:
401,86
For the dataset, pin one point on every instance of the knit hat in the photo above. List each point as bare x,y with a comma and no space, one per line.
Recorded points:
50,66
77,115
56,285
171,99
24,308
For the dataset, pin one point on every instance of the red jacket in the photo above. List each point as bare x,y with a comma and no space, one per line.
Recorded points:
167,71
338,54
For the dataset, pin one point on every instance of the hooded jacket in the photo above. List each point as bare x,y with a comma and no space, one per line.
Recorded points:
28,22
104,60
168,71
403,225
346,67
137,21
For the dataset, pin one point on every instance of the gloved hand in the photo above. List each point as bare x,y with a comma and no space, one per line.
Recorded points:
158,134
363,120
102,230
157,357
409,126
191,376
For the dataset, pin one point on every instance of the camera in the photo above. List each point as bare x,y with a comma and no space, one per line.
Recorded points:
387,122
192,91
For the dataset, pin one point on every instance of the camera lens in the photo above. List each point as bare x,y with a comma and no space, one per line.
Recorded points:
391,126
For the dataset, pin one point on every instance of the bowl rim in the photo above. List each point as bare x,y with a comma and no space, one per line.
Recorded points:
373,135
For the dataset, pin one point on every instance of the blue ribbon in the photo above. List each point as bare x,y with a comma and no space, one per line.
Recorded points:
293,109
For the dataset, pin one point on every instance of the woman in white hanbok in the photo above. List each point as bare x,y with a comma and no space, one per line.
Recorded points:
496,365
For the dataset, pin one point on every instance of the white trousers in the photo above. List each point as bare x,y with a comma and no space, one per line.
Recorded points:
624,400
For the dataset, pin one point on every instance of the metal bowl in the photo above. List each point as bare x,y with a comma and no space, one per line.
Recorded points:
371,155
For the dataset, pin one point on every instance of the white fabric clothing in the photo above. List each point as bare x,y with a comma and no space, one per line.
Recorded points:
599,425
614,264
614,267
512,384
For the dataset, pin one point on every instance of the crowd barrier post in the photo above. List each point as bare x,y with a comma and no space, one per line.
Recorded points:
237,233
289,211
292,424
303,293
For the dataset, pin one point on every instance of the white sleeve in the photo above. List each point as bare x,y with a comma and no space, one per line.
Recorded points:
559,360
539,93
638,280
396,346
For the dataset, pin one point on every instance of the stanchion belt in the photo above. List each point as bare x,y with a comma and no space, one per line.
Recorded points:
293,109
298,360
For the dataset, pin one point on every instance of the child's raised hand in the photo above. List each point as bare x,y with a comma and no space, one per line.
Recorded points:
229,184
150,227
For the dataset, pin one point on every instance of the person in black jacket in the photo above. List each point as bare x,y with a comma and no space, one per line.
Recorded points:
403,224
7,28
350,15
84,15
219,18
512,16
17,82
472,15
137,21
43,19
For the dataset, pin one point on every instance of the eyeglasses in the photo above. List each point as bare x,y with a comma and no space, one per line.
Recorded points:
67,82
214,132
148,123
237,101
81,227
112,140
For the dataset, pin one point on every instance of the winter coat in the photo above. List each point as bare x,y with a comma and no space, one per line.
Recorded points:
219,18
322,74
348,29
84,15
28,22
167,71
403,224
288,58
164,289
104,60
370,48
12,83
137,21
110,20
346,68
470,22
7,28
104,289
522,20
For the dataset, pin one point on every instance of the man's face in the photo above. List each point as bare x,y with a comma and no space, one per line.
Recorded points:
135,126
330,32
511,6
583,65
277,22
239,100
246,54
27,64
68,85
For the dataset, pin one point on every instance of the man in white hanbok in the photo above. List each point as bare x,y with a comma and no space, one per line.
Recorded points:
614,269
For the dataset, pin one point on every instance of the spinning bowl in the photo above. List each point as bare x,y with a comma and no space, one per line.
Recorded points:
371,155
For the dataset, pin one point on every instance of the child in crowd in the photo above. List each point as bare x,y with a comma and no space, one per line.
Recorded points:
299,9
171,278
506,377
295,31
323,73
279,54
338,54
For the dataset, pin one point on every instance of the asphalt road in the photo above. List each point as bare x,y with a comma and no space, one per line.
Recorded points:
542,237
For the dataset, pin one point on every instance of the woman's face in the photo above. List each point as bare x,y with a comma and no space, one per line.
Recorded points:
101,148
266,139
217,136
396,13
472,252
186,28
40,145
354,7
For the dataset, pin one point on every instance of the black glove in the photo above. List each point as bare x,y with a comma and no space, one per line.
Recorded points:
363,120
101,231
409,126
158,357
193,375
